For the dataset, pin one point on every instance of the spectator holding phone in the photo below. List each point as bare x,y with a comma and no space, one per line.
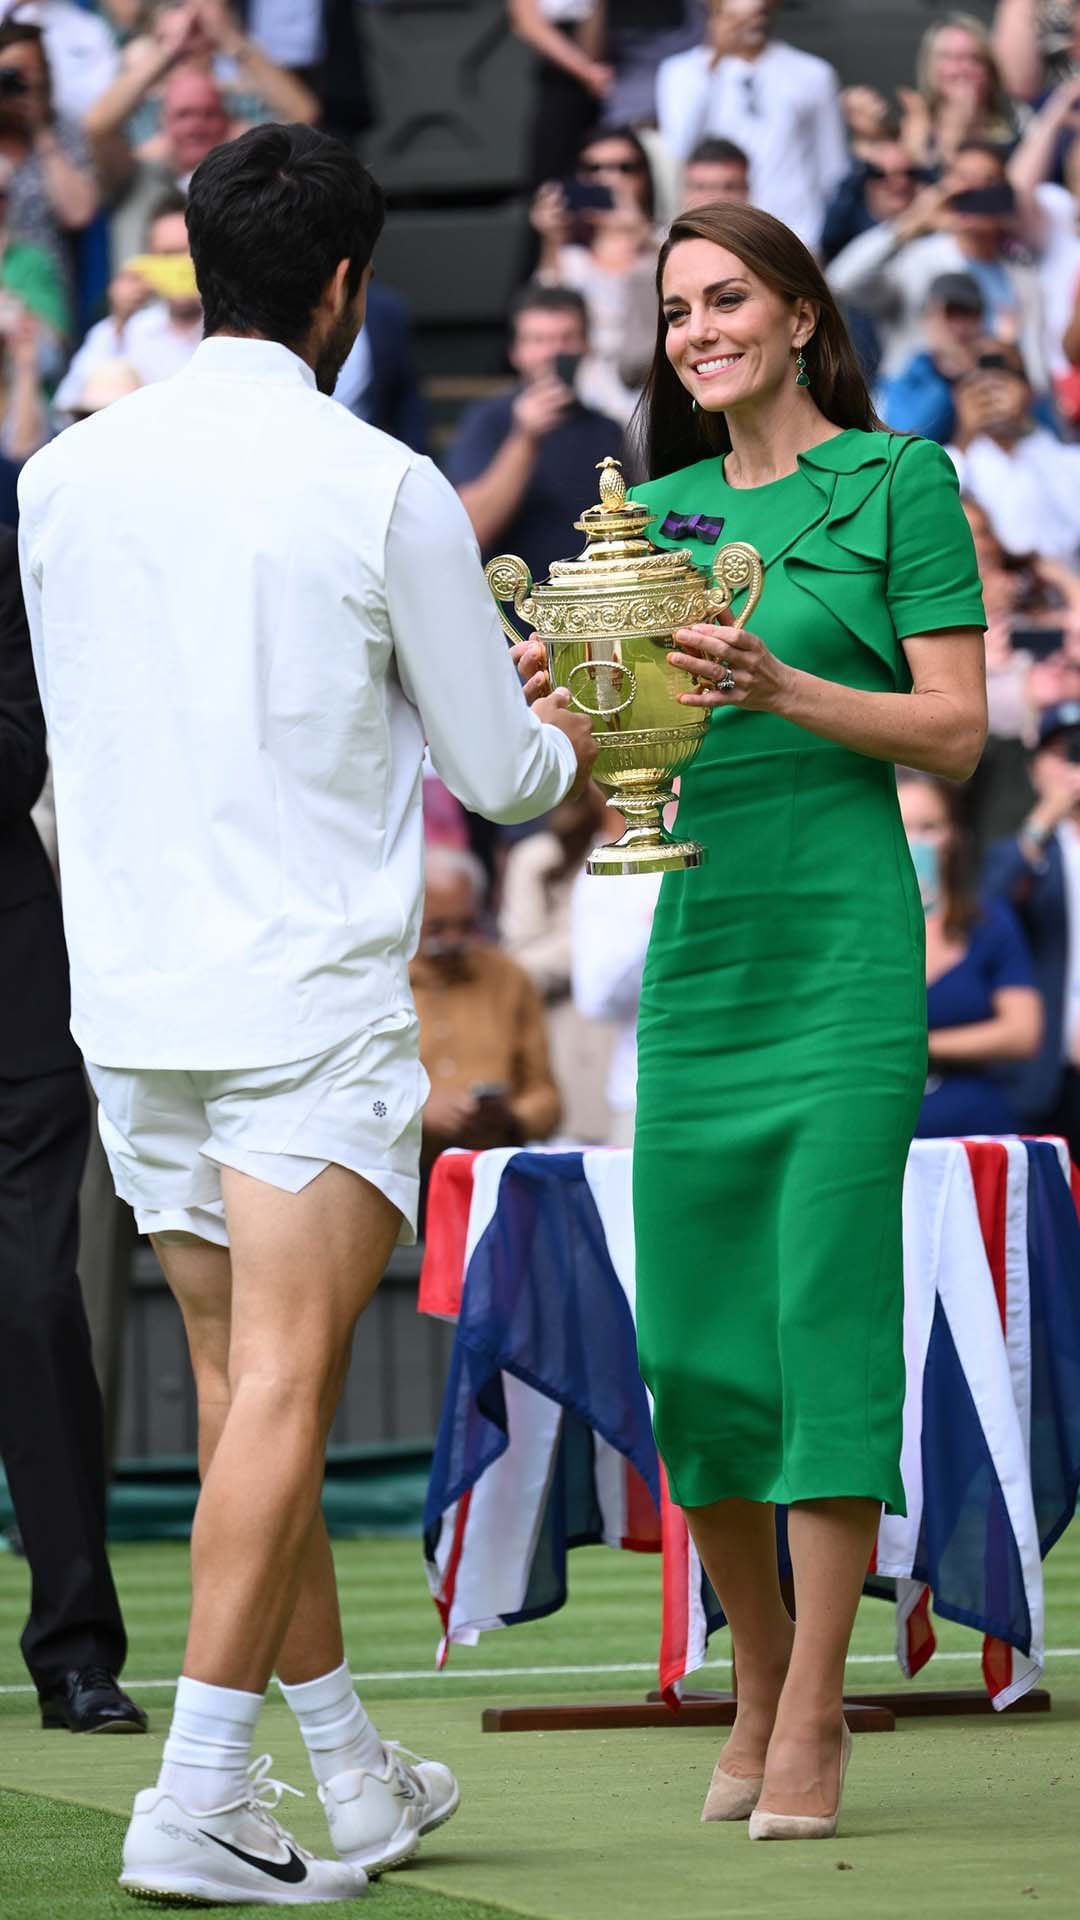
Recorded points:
53,194
982,1004
598,237
964,223
155,321
1038,873
525,461
1026,481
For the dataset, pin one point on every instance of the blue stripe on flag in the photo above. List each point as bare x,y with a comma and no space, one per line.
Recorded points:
542,1301
967,1549
1054,1281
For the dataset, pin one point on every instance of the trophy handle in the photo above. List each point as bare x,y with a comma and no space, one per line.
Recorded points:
510,580
736,566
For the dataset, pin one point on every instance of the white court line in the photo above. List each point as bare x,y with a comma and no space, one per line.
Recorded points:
576,1673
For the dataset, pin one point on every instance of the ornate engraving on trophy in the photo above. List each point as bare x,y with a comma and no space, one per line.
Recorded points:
606,621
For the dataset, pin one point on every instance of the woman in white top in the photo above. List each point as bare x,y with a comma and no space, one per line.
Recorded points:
608,255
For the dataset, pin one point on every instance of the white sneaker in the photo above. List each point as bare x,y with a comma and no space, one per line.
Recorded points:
237,1855
377,1820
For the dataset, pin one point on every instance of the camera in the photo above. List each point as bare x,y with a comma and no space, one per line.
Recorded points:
13,84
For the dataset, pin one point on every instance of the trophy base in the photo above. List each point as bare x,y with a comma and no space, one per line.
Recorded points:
645,851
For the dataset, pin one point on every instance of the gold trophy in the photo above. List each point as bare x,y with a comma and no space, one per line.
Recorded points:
606,620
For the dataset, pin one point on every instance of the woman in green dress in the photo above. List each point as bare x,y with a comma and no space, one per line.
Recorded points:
782,1033
782,1039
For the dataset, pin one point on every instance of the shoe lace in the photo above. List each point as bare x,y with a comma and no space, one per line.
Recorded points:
94,1677
266,1795
408,1761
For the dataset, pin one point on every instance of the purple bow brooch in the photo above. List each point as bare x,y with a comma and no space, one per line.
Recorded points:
696,526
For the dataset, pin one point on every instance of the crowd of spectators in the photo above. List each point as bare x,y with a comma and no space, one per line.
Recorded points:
946,216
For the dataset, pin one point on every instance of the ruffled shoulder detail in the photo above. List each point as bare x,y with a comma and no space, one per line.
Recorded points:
851,473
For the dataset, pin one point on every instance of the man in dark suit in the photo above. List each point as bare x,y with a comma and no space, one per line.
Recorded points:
51,1438
1038,873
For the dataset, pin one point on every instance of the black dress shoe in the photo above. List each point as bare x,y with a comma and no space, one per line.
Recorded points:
88,1700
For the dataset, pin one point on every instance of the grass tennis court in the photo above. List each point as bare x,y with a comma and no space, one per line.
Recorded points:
973,1819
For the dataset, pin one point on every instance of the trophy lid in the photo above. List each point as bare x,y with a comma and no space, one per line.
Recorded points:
616,550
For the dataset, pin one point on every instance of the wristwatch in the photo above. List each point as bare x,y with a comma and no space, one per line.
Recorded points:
1038,836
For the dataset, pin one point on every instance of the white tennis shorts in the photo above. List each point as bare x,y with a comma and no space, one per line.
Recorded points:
167,1134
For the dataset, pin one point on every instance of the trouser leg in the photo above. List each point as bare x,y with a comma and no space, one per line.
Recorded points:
51,1436
106,1245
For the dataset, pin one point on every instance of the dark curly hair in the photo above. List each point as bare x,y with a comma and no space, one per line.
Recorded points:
270,216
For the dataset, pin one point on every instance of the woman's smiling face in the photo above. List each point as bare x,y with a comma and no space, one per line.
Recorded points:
730,338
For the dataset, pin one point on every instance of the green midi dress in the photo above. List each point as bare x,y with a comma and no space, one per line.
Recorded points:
782,1033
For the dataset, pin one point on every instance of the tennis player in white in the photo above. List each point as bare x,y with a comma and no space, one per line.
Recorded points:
248,610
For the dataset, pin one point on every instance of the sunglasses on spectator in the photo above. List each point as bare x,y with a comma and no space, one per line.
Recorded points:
609,166
914,174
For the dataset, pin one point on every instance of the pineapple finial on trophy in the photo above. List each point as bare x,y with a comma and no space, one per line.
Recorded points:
612,484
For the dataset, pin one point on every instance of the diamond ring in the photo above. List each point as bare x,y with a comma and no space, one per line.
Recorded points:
726,682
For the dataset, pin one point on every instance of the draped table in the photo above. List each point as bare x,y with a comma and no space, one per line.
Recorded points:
545,1439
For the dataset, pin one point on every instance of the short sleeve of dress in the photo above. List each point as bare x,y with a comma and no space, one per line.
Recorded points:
1006,956
932,579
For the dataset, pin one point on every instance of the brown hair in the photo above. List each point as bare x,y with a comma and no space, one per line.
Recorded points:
667,431
997,112
959,898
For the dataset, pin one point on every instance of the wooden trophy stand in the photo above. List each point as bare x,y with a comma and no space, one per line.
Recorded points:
872,1712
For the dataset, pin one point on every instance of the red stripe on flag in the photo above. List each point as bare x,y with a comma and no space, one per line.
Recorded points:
444,1599
675,1595
920,1635
643,1530
989,1163
446,1230
997,1666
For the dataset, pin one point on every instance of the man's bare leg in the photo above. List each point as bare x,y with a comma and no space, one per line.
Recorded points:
200,1277
302,1267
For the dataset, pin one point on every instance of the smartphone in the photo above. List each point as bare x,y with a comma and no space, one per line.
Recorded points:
1040,642
565,366
581,197
170,275
997,199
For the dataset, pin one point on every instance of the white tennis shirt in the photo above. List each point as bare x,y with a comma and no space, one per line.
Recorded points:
247,609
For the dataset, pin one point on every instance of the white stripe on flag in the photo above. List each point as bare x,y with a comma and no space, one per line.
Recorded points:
505,1516
966,1290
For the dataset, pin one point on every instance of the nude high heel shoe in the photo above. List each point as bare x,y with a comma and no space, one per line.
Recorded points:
802,1826
730,1798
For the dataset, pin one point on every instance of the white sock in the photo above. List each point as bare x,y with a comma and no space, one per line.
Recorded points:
337,1733
208,1750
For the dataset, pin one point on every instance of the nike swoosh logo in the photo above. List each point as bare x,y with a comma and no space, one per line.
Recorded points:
292,1870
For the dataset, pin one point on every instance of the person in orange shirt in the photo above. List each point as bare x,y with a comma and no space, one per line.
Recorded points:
483,1040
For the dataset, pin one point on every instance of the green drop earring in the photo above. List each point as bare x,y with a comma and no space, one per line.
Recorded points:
802,378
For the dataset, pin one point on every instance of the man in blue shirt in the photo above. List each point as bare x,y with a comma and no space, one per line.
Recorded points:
525,462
